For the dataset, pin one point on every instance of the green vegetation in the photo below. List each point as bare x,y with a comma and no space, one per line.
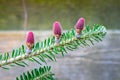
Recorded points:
48,49
42,13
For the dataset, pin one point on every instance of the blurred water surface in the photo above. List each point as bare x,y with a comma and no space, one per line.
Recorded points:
98,62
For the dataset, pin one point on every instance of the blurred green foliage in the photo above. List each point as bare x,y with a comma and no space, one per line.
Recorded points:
42,13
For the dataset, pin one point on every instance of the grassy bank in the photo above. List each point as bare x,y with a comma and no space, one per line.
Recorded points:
42,13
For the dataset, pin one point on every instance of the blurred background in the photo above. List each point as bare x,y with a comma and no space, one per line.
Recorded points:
98,62
42,13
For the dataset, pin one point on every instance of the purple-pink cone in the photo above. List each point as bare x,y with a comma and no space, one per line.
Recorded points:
80,23
57,28
30,37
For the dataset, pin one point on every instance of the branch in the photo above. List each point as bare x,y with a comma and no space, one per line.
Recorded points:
25,15
48,48
42,73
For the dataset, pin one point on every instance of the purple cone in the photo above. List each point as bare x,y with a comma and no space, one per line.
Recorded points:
80,23
57,28
30,37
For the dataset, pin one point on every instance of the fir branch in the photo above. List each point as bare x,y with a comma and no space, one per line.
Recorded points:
42,73
48,48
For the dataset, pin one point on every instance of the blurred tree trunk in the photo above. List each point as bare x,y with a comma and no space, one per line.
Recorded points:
25,15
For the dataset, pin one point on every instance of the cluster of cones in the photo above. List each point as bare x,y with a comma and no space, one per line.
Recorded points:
57,29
